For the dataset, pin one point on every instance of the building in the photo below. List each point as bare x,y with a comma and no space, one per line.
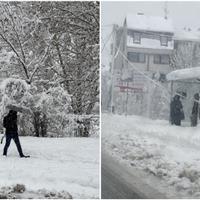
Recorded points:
142,51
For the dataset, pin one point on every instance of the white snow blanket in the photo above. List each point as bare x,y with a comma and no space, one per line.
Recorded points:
181,74
170,153
69,164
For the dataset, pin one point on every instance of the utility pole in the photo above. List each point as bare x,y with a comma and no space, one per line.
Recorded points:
112,67
127,98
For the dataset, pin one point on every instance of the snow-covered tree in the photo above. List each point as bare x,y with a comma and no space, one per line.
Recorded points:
186,55
74,51
20,34
105,90
53,45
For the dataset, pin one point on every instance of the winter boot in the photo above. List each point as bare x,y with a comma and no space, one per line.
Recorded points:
23,156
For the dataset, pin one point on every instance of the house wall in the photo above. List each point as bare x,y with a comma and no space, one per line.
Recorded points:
149,64
123,69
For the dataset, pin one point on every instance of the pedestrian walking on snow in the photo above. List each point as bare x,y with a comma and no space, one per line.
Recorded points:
10,124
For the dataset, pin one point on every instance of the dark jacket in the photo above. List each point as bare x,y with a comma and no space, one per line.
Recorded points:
176,110
195,110
10,122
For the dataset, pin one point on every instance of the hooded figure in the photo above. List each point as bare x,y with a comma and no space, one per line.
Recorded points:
10,124
176,111
195,110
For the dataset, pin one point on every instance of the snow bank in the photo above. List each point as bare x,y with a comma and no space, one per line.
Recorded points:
168,152
19,192
56,164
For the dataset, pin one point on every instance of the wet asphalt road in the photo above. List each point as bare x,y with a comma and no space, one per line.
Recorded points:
113,183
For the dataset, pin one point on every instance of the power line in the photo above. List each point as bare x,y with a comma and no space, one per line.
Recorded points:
140,72
106,41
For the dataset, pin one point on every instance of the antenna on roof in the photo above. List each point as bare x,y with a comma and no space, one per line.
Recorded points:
166,12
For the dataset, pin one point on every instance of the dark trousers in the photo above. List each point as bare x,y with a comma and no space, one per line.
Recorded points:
15,137
194,119
177,122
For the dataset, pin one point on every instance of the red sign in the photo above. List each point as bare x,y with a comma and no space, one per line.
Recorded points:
129,88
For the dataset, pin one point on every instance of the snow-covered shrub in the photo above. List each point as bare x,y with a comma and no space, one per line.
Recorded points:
19,191
51,110
54,99
87,125
13,92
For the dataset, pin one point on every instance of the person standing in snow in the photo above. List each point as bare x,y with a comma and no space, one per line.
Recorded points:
176,111
10,124
195,110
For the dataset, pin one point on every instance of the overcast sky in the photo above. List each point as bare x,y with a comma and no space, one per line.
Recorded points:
183,14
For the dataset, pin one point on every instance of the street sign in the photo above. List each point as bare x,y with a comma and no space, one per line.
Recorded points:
136,89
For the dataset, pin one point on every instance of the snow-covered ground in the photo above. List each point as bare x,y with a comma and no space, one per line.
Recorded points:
56,164
169,153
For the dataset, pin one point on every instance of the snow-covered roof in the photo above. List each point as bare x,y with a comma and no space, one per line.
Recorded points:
187,35
181,74
150,23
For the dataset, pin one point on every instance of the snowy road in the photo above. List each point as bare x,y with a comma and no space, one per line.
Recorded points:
56,164
114,184
168,153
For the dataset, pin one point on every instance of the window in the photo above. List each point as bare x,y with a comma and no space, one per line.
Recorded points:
136,57
164,59
141,57
161,59
156,59
136,38
163,41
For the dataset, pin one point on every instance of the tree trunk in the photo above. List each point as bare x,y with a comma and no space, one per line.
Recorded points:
36,123
43,125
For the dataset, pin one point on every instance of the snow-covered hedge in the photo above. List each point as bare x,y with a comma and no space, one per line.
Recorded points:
44,113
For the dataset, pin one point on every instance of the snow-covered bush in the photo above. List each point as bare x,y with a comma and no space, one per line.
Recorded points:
52,107
13,92
46,113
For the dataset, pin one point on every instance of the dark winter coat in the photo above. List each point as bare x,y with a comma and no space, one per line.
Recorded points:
176,111
10,122
195,110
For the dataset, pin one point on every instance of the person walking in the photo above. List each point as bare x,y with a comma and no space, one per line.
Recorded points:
195,110
10,124
176,111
